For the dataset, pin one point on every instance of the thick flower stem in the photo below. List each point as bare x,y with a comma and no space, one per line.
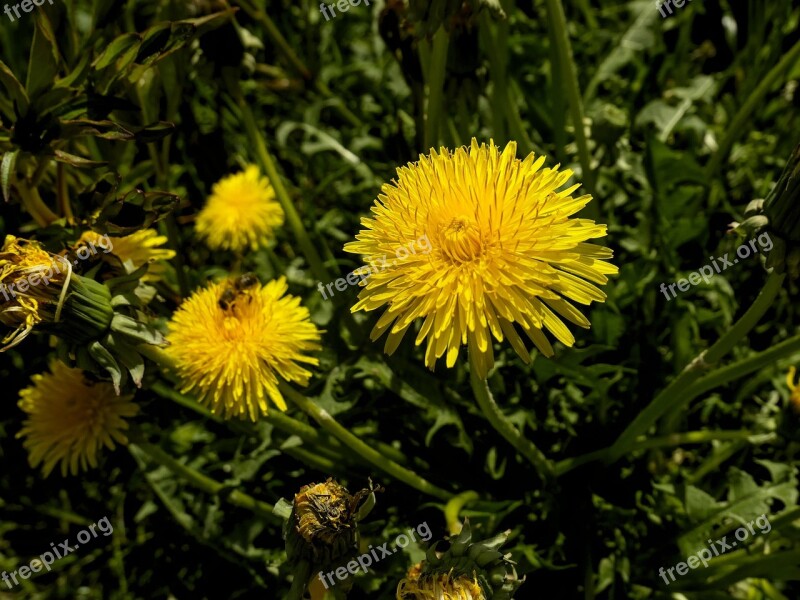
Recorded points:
202,482
268,165
327,422
436,76
34,204
672,397
560,38
504,427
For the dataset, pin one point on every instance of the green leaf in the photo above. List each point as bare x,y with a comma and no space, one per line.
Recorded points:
15,89
44,60
6,170
76,161
136,331
115,49
105,359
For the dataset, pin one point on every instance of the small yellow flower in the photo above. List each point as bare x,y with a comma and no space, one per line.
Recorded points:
70,418
504,254
241,212
794,388
135,250
438,587
232,344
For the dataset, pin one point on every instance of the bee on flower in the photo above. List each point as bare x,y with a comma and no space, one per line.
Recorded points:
234,341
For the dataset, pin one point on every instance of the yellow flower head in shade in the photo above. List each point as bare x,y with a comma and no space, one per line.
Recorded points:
794,388
133,251
438,587
232,342
503,251
70,418
241,212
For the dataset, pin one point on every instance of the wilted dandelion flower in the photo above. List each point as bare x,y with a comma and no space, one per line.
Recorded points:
439,587
71,418
134,250
241,212
504,251
233,343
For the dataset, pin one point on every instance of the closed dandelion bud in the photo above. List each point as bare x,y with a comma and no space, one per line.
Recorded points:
467,571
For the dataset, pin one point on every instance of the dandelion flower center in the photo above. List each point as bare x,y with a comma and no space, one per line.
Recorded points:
460,241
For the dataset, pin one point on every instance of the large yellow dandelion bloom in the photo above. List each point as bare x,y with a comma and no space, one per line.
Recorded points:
438,587
503,251
134,250
71,418
241,212
232,342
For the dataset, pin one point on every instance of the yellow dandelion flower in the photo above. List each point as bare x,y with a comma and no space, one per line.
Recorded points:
232,341
503,251
71,418
794,388
441,586
241,212
135,250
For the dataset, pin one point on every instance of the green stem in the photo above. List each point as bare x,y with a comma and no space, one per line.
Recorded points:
672,439
202,482
560,39
327,422
268,164
302,574
498,60
436,88
738,125
741,368
672,396
506,428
